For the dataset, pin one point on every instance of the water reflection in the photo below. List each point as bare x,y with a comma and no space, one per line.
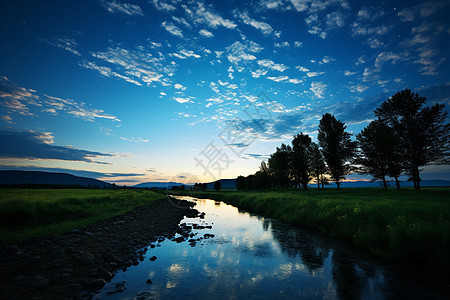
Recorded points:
254,257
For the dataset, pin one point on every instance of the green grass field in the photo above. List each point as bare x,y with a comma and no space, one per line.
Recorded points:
405,226
26,213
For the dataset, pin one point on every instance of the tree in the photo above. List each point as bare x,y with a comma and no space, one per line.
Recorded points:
301,159
240,182
279,165
317,164
380,152
217,185
423,134
337,148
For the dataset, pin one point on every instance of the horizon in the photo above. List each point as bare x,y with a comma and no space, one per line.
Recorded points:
196,91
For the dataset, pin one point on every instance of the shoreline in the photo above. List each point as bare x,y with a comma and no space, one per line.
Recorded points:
77,264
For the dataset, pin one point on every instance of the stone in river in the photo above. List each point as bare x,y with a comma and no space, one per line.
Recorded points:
153,258
149,281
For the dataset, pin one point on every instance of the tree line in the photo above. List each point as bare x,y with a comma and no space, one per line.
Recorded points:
405,136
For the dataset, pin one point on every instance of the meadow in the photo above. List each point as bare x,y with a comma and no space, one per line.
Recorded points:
27,213
406,226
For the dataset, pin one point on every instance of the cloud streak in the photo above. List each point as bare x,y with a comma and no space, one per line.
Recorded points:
34,145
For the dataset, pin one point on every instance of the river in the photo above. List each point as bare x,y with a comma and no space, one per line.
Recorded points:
244,256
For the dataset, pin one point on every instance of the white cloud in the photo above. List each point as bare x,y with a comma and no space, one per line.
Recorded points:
135,140
19,100
259,73
202,14
170,27
163,5
358,88
206,33
384,57
179,87
359,29
271,65
295,80
314,74
264,27
240,52
67,44
326,60
298,44
136,66
181,100
183,54
318,88
278,78
116,7
182,21
302,69
349,73
284,44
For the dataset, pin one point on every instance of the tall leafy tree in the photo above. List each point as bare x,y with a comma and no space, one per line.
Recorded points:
337,147
279,165
301,159
422,130
317,164
380,151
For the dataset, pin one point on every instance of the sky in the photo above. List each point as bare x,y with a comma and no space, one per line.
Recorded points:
194,91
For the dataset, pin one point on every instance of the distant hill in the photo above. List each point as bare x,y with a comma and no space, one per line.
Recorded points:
38,177
159,185
226,184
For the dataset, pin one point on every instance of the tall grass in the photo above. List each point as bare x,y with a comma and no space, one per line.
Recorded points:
26,213
406,226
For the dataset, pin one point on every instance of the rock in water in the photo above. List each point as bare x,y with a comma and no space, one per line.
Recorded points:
153,258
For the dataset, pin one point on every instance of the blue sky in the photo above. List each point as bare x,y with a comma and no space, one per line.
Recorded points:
135,91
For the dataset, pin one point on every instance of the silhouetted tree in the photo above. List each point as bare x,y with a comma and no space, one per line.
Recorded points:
279,163
337,148
423,134
380,152
217,185
317,164
301,159
240,182
204,186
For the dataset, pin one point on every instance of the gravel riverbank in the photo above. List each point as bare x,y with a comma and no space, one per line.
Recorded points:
77,264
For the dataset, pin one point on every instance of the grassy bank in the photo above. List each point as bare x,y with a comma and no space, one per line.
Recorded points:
26,213
406,226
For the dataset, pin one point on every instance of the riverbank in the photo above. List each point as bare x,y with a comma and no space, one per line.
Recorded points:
76,264
406,226
28,213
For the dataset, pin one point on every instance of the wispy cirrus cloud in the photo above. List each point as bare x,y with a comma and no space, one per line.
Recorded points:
238,51
318,89
199,13
114,6
68,44
206,33
164,5
29,144
265,28
171,28
271,65
23,101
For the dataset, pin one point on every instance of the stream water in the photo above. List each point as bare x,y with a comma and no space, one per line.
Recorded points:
244,256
